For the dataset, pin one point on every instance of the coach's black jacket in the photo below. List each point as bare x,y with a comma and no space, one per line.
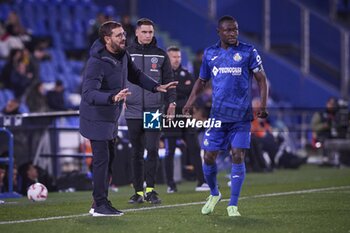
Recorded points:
154,62
104,76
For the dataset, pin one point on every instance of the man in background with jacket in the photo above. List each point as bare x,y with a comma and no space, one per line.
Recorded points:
154,62
188,134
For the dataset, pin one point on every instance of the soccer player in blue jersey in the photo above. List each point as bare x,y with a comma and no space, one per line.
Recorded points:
230,64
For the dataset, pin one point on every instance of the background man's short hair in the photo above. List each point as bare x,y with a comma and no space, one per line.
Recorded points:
106,29
173,48
144,21
226,18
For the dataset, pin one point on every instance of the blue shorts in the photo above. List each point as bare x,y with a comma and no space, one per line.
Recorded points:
236,135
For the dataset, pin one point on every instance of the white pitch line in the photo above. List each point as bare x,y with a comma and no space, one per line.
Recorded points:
180,205
9,203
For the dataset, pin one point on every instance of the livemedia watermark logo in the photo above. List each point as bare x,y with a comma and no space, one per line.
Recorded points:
156,120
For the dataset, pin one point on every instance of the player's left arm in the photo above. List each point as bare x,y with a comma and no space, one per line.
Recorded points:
255,65
260,77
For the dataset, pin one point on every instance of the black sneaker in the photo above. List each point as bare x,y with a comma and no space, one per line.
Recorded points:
117,211
93,207
106,210
136,199
152,197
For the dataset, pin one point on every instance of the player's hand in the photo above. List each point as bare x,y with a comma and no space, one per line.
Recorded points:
166,87
121,95
187,109
171,112
262,113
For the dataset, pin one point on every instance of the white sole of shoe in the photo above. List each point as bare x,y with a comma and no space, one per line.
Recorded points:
106,215
202,189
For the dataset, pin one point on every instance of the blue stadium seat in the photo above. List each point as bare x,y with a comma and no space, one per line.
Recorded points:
73,122
8,94
23,108
77,66
79,41
4,11
47,72
2,99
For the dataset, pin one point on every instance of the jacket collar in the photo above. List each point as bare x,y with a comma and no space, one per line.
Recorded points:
137,45
99,51
178,68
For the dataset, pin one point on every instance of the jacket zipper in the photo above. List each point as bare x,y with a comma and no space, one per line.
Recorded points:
143,69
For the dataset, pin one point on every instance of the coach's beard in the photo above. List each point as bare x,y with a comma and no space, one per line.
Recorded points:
118,49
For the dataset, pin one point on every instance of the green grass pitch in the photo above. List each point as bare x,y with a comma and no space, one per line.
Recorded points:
269,203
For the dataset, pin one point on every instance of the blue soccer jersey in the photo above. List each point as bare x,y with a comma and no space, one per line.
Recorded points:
231,72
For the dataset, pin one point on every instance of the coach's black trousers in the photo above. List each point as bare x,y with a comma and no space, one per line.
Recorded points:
103,155
142,139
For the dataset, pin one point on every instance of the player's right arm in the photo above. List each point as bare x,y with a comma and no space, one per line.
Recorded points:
198,88
199,85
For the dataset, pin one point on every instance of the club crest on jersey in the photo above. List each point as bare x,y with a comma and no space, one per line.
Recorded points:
154,62
237,57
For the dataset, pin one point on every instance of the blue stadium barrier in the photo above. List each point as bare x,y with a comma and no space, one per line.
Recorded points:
280,71
190,28
10,161
247,13
285,24
321,6
291,85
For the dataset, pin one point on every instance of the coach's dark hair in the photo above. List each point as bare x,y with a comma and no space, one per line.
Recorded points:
106,29
144,21
226,18
173,48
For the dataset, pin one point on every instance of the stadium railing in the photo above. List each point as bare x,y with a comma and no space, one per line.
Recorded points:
10,162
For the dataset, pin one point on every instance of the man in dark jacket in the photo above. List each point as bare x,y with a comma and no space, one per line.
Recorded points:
155,63
189,135
103,92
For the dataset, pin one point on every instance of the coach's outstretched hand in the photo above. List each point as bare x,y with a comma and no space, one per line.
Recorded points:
166,87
